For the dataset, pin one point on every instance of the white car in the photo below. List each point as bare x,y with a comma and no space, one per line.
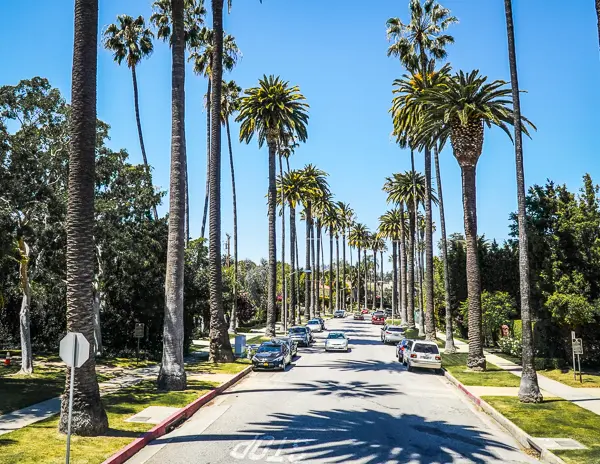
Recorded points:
392,334
423,354
336,341
315,325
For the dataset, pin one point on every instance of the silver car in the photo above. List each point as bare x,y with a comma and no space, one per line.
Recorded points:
301,335
314,325
336,341
423,354
392,334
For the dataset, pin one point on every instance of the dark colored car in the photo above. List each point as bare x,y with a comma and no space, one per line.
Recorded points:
300,335
322,322
358,316
378,318
292,345
272,355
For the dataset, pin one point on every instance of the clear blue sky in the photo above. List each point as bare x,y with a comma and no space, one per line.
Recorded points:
336,52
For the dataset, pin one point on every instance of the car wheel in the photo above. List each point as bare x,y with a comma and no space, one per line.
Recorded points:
408,366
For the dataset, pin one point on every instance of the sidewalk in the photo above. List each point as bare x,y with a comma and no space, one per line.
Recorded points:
587,400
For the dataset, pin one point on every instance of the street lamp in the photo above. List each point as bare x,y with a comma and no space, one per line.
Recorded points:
305,271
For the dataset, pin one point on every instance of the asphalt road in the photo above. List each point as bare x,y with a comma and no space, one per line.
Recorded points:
357,407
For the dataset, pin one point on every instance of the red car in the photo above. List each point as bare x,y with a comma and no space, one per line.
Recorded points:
365,311
378,318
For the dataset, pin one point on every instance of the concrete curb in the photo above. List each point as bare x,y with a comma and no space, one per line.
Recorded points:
171,422
524,439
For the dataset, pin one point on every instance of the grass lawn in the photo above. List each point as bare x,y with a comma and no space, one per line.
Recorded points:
41,442
125,363
257,339
555,418
206,367
456,364
589,380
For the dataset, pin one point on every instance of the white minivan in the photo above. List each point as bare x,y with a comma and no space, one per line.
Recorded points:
423,354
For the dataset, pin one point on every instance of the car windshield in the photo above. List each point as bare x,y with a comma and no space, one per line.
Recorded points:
336,335
428,349
269,349
298,330
395,329
314,321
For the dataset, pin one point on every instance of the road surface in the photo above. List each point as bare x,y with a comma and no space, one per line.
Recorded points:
357,407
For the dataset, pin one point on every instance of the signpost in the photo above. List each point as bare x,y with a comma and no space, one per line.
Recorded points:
74,351
138,333
577,346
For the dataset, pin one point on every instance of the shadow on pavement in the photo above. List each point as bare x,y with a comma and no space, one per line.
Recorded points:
366,436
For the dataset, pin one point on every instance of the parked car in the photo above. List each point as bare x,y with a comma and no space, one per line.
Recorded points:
402,347
358,316
423,354
392,333
378,318
365,311
314,325
322,322
310,334
272,355
291,344
336,341
339,313
300,335
388,312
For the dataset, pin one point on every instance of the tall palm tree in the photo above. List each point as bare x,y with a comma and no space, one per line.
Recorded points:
230,101
172,373
202,57
420,232
529,390
382,249
347,219
415,43
357,236
366,245
321,206
270,110
465,104
390,227
598,16
89,417
131,40
193,18
377,246
331,222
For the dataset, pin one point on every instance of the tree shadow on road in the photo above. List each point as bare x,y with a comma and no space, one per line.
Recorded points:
366,436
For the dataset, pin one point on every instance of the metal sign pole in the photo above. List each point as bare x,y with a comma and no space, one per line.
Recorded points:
573,349
75,348
579,363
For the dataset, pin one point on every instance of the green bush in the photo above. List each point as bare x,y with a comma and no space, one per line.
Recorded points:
549,363
411,333
511,345
517,329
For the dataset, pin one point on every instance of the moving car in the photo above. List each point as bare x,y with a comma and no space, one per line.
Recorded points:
314,325
272,355
291,344
423,354
365,311
392,333
336,341
322,322
378,318
339,313
301,335
358,316
401,349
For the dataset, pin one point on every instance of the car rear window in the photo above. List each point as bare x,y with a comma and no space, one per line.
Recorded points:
377,314
428,349
315,321
297,330
336,335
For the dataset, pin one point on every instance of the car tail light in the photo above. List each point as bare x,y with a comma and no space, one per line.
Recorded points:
438,358
413,355
388,332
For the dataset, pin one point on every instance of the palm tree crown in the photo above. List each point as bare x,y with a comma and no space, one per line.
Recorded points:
194,13
129,40
230,99
390,224
202,52
399,188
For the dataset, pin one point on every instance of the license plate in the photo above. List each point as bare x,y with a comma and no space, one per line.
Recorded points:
426,357
266,364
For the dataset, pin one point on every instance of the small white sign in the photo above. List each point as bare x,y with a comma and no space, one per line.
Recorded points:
578,346
74,349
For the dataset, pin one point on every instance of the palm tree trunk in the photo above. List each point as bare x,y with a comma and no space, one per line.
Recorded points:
308,276
220,346
272,287
429,310
208,151
98,303
293,300
314,274
89,417
318,269
598,15
529,390
373,305
449,347
403,272
25,315
283,279
297,276
476,359
344,271
381,272
322,263
366,262
139,128
394,278
331,272
358,283
338,294
421,272
233,320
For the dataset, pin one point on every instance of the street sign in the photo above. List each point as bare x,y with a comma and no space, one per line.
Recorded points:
74,349
577,346
139,330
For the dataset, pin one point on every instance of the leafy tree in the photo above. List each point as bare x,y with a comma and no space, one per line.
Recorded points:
498,307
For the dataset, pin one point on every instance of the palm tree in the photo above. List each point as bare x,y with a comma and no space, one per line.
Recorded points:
465,103
270,110
131,40
356,239
377,246
529,390
390,227
347,219
172,373
229,106
598,16
193,18
321,205
366,245
331,221
202,57
89,417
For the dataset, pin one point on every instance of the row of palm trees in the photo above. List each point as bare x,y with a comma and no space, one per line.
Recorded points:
431,106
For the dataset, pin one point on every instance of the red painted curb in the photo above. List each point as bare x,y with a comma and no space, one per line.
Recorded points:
163,428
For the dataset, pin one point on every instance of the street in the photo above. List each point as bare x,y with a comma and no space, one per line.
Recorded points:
357,407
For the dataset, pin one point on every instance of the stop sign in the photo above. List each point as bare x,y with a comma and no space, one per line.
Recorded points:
74,349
